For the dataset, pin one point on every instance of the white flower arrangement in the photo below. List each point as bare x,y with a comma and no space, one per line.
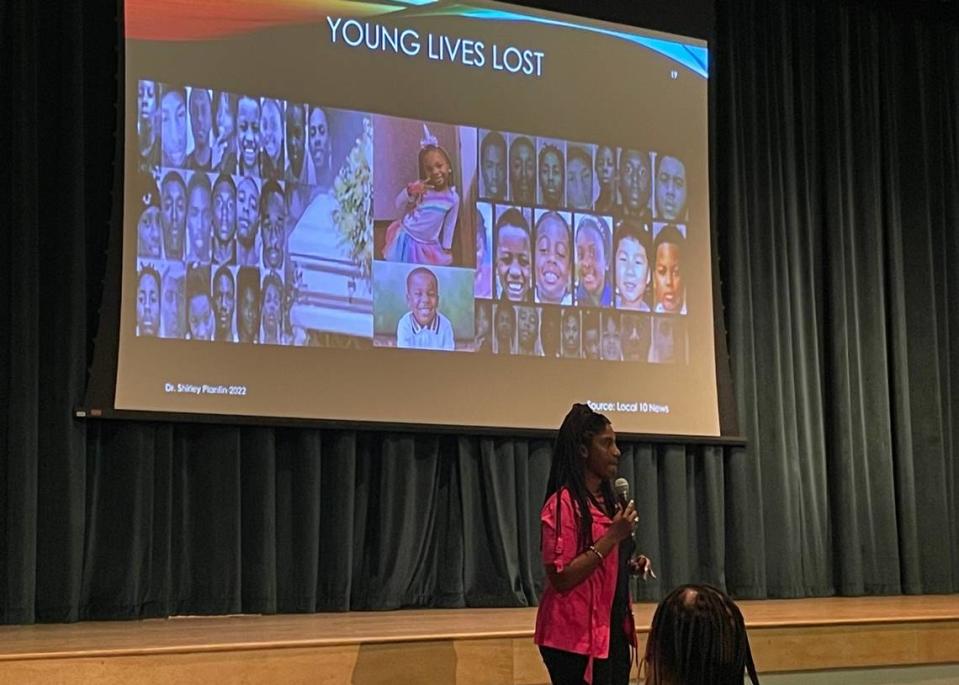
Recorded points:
353,190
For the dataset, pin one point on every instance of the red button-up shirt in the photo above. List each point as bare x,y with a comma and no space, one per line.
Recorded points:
576,620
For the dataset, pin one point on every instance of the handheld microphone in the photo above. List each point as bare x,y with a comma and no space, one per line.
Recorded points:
621,486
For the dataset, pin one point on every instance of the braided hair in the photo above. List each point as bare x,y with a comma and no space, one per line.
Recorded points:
567,470
698,636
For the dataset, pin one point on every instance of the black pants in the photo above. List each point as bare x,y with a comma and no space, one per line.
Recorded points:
567,668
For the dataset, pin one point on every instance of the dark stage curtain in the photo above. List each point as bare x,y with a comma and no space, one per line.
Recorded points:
836,163
837,167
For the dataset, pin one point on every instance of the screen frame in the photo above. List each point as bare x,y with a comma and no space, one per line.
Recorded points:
110,414
102,374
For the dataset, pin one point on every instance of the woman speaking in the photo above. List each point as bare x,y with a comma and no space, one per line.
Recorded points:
584,625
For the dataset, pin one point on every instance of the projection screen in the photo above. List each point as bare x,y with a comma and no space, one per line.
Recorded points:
437,213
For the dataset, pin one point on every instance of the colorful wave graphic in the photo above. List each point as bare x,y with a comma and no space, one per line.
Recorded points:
186,20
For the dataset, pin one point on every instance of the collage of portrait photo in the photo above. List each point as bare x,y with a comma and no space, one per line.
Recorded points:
230,183
579,250
270,221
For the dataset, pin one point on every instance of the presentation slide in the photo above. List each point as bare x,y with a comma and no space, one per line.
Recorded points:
420,212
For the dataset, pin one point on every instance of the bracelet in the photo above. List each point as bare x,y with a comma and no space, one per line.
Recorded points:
592,548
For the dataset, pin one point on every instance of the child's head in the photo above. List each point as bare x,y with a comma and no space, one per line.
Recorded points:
631,255
669,287
435,166
248,303
513,256
505,322
271,303
698,635
552,175
527,328
591,251
148,233
173,300
199,302
591,334
612,345
148,300
422,295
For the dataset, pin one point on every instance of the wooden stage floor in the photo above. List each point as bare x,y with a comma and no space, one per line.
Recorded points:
474,646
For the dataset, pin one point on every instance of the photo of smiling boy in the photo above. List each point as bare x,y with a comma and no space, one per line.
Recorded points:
248,134
631,265
424,327
553,257
271,143
513,257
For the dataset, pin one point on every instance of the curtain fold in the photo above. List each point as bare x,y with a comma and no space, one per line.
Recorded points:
842,186
836,177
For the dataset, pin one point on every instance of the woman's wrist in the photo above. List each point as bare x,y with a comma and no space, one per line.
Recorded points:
604,545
